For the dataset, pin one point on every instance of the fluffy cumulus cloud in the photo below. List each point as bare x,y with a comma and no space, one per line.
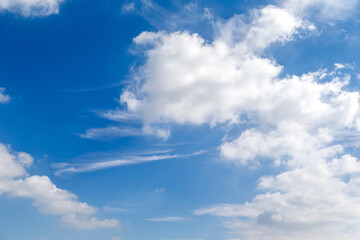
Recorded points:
15,181
296,120
4,98
187,80
31,7
317,191
308,202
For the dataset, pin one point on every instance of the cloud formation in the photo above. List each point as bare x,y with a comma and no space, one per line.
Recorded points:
95,166
188,80
4,98
15,181
296,120
29,8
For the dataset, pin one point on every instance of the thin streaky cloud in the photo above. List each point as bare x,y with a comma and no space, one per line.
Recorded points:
95,166
110,133
157,151
167,219
117,115
184,17
95,156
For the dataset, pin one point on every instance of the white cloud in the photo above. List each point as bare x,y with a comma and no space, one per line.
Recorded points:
128,7
182,17
85,222
339,66
311,195
325,9
289,140
208,81
271,24
16,182
308,202
229,210
111,132
117,115
295,119
95,166
4,98
31,7
220,81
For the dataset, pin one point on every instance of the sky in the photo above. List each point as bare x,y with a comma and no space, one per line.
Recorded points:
179,120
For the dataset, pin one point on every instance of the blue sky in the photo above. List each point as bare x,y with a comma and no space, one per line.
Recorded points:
179,120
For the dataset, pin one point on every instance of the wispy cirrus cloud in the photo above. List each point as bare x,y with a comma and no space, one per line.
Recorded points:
186,16
228,210
323,9
111,132
95,166
167,219
118,115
